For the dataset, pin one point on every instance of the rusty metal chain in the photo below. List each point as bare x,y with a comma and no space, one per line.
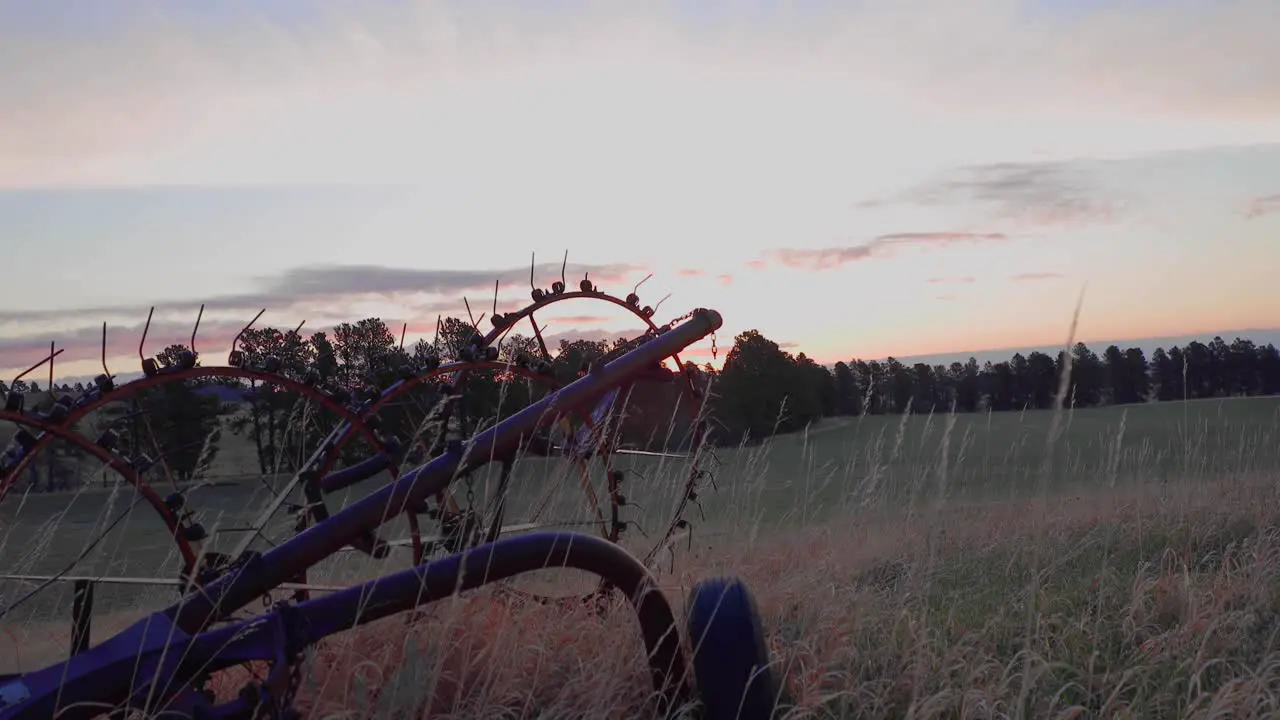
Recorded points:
681,318
715,351
292,686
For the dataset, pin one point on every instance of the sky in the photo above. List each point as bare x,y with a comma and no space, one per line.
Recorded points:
860,178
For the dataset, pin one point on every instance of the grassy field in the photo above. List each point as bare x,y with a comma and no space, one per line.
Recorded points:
1100,563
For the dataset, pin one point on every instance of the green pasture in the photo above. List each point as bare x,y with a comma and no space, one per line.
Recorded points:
841,466
891,462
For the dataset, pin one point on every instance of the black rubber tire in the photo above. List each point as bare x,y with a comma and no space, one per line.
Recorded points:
730,658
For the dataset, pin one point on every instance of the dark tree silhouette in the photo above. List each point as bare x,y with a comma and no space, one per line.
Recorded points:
761,389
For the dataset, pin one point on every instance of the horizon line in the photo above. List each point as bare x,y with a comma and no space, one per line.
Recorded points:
1238,333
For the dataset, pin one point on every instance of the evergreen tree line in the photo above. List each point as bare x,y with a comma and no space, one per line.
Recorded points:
762,389
181,422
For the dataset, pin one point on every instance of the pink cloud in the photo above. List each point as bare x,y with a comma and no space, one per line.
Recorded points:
951,280
881,246
725,279
213,341
1264,205
689,272
1034,193
1034,276
321,288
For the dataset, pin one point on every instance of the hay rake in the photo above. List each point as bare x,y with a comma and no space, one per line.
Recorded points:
594,440
162,664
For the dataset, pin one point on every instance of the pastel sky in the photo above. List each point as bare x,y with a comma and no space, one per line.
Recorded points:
854,178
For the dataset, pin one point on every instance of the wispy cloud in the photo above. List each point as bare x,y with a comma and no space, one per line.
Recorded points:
689,272
1036,276
1264,205
951,280
881,246
1032,194
178,93
328,289
498,128
324,296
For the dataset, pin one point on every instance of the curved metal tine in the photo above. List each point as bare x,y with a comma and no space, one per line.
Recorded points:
537,334
495,296
142,342
635,290
475,322
28,371
51,357
533,257
195,330
470,317
236,340
563,265
503,337
105,371
403,329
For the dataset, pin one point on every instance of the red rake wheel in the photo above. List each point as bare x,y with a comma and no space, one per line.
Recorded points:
558,293
186,535
97,400
490,527
70,413
106,455
32,583
482,347
502,325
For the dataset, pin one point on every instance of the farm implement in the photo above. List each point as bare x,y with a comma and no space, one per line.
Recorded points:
163,665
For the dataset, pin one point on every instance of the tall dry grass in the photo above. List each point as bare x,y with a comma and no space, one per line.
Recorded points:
1156,602
1117,594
